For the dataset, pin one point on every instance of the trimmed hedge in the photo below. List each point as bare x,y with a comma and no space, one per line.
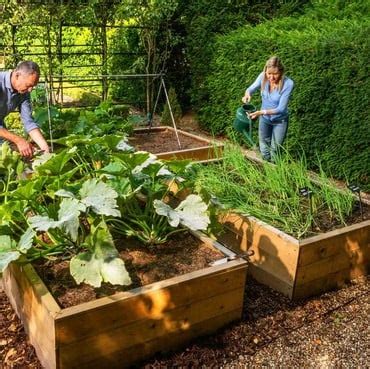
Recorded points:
328,61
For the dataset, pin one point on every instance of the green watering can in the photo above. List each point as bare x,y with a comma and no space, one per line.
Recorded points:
242,122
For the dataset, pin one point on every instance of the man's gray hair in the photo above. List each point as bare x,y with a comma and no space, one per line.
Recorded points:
28,67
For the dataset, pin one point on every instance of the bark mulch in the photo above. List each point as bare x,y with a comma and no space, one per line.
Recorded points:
329,331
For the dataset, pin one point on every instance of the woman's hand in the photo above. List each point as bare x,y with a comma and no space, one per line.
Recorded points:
257,114
247,97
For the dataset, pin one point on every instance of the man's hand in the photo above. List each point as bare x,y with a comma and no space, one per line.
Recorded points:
44,148
24,147
38,138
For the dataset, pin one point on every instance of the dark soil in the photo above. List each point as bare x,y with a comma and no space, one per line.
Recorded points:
145,265
163,141
323,223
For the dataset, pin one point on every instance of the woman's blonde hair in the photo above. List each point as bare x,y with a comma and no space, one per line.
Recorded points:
274,62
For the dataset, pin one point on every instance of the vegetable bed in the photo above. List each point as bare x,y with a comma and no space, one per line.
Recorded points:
315,248
162,141
128,326
75,212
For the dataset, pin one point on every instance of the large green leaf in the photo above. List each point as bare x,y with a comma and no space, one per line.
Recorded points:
114,168
7,252
163,209
152,159
11,211
102,264
68,215
133,160
124,146
122,186
192,213
68,218
110,141
57,163
73,140
28,190
100,197
26,240
41,159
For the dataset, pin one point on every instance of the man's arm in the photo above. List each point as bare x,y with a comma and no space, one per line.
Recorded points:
37,137
30,125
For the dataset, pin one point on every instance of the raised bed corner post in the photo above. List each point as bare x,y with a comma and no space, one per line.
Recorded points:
169,107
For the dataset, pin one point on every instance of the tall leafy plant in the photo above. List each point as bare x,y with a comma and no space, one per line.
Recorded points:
149,212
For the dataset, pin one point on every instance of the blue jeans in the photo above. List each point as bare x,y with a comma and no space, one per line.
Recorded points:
271,137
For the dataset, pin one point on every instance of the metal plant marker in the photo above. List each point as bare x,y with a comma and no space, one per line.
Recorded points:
354,188
306,192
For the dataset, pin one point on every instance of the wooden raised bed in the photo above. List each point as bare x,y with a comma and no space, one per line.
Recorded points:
119,330
192,147
300,268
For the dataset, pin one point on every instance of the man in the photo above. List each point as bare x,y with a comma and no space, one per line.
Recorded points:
15,88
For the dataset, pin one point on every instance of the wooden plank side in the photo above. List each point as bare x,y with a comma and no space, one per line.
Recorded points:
28,297
253,232
174,323
150,302
328,282
271,253
199,153
168,128
332,264
344,240
134,355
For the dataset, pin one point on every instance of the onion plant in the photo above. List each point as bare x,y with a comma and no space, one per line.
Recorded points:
271,192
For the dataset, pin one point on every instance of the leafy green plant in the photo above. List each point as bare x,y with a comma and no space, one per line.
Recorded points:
64,210
147,207
71,205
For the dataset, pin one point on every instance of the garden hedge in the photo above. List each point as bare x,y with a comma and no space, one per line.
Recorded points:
328,61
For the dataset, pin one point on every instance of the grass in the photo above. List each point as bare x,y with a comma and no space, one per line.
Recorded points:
271,192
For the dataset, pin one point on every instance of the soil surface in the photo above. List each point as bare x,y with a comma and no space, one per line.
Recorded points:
145,265
330,331
164,141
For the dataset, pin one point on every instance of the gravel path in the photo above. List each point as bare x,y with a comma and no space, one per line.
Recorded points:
338,339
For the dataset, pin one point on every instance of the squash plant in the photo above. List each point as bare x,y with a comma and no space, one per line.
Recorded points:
72,204
63,216
146,201
103,120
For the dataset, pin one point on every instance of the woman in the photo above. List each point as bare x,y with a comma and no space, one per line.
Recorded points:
273,122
